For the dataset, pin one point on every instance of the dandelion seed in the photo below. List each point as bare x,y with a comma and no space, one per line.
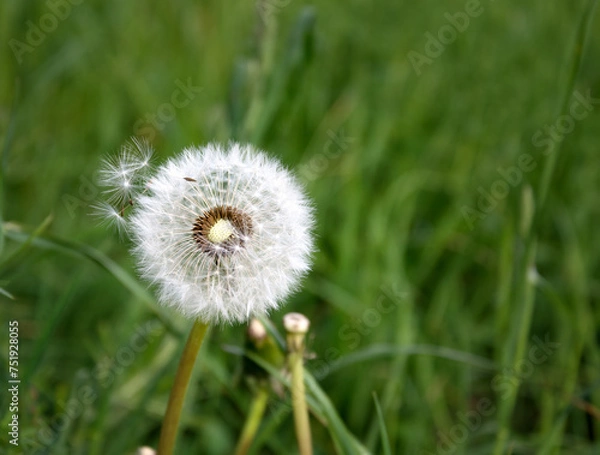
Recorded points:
110,215
125,174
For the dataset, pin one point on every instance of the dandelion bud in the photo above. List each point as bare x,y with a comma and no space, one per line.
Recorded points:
296,323
256,331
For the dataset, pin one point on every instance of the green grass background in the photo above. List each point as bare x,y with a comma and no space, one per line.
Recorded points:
466,302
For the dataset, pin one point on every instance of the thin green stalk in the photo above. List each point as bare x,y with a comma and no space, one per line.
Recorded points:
521,324
257,410
385,441
168,432
296,363
577,52
8,139
296,326
268,42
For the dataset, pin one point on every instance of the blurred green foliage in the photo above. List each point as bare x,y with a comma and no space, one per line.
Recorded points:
428,263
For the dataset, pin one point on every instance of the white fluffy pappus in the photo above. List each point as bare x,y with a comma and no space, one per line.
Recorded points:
125,174
224,232
123,178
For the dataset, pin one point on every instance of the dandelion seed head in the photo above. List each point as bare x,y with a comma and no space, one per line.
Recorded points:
224,232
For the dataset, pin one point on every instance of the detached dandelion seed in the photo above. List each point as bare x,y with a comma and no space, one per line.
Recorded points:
110,215
124,175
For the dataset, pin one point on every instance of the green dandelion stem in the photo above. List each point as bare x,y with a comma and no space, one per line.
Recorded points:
301,422
168,432
257,410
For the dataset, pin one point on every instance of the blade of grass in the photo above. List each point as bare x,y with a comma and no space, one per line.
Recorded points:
585,25
390,350
15,232
517,343
385,442
346,441
264,108
26,244
7,294
43,340
4,157
582,328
